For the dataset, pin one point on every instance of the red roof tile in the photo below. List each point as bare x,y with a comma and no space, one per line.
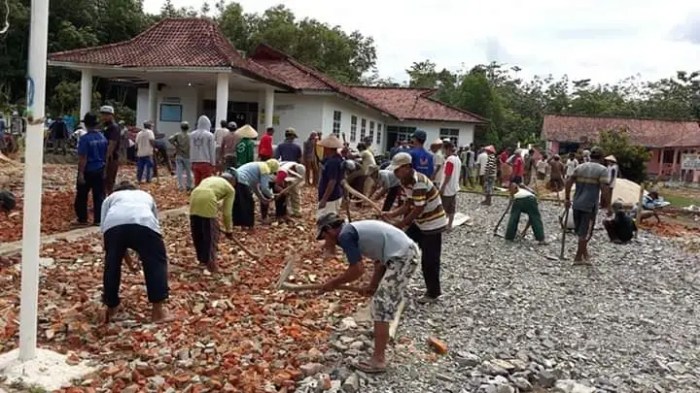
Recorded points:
650,133
415,104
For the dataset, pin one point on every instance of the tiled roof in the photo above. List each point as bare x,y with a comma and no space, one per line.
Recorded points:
650,133
415,104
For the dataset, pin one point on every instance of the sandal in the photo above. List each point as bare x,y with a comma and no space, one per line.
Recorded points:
369,367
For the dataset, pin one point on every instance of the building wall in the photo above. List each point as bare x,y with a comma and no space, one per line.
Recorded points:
348,109
432,129
187,98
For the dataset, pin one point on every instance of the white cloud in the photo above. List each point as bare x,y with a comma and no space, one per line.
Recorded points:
599,39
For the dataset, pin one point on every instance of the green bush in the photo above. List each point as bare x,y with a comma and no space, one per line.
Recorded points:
632,159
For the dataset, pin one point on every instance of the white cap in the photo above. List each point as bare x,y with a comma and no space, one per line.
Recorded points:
107,109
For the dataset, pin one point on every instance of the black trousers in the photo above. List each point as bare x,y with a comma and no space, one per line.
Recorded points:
205,237
244,206
94,182
280,206
151,249
430,244
391,196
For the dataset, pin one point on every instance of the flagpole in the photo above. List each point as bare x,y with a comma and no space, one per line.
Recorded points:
33,161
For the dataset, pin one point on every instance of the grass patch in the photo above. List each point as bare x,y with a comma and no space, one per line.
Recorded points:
680,200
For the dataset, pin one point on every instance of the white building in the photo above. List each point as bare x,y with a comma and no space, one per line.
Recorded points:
187,67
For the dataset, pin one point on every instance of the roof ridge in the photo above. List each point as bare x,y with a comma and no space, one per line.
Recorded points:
357,85
482,118
613,117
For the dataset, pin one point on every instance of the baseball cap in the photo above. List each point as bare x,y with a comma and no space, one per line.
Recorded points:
399,160
107,109
420,135
290,133
324,222
184,125
8,200
232,125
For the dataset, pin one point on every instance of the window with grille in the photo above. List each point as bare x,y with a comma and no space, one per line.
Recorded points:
336,122
363,129
371,130
353,128
450,133
379,134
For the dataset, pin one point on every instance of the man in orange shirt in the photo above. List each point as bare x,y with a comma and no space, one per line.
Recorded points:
265,147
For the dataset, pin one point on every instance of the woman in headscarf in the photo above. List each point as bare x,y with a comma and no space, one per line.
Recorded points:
245,150
253,178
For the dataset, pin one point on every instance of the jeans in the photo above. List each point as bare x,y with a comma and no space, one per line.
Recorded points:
144,163
94,182
151,249
182,166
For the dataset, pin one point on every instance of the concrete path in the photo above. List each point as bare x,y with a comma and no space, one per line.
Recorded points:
16,247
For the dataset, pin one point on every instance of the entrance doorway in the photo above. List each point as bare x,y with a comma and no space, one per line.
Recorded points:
241,112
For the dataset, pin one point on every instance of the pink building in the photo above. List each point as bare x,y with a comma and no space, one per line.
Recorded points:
670,142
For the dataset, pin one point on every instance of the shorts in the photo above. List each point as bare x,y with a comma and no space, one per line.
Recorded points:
390,292
488,185
582,223
449,203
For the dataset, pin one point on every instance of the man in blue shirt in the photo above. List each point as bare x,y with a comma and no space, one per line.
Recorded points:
288,151
395,258
92,151
330,193
421,159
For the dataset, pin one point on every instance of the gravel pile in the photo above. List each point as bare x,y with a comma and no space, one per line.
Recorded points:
515,319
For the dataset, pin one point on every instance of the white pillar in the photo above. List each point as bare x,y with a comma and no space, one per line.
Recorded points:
31,234
153,102
221,99
85,92
269,106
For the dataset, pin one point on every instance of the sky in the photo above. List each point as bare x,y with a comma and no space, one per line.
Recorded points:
604,40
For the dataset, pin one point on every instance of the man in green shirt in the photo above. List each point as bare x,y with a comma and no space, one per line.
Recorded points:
181,141
204,209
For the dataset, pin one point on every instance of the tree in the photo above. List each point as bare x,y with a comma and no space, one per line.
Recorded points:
632,159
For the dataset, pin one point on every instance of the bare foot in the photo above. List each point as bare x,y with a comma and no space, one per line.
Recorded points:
159,314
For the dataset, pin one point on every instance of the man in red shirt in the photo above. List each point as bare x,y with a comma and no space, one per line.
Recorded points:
518,168
265,146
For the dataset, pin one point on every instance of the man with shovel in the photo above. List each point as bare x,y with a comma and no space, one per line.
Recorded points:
395,258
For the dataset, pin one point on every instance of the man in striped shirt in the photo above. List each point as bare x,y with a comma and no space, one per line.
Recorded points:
424,217
490,173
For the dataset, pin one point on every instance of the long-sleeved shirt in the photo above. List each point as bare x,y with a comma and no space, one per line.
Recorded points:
252,176
202,143
204,200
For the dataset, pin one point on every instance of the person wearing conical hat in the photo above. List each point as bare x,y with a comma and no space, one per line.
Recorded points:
330,193
253,178
245,150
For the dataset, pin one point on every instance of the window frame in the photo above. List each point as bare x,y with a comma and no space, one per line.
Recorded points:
363,128
353,128
337,121
451,134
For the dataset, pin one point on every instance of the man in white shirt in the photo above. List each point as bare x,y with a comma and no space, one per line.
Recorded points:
219,135
145,141
438,162
481,162
571,164
450,181
130,221
524,201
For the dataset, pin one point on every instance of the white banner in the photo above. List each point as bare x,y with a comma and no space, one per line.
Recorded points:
690,161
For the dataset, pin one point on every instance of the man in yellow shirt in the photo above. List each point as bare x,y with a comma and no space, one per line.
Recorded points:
204,209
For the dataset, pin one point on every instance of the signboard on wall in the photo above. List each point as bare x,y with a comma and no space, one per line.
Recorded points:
690,162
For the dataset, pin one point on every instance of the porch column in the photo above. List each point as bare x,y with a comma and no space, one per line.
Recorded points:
152,102
269,106
85,92
661,162
673,166
221,98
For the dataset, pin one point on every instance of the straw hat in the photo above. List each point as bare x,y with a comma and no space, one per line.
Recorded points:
611,158
247,132
331,142
436,142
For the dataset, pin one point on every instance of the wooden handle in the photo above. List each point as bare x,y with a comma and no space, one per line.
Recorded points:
361,196
288,188
244,248
316,287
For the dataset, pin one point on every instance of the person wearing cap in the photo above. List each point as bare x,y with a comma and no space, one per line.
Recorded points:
7,201
265,146
204,209
385,183
181,142
620,228
450,181
290,174
524,201
219,135
145,142
422,160
253,178
92,152
425,218
130,221
591,178
395,257
330,193
228,146
202,150
490,174
613,172
310,161
245,149
289,151
113,134
438,162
